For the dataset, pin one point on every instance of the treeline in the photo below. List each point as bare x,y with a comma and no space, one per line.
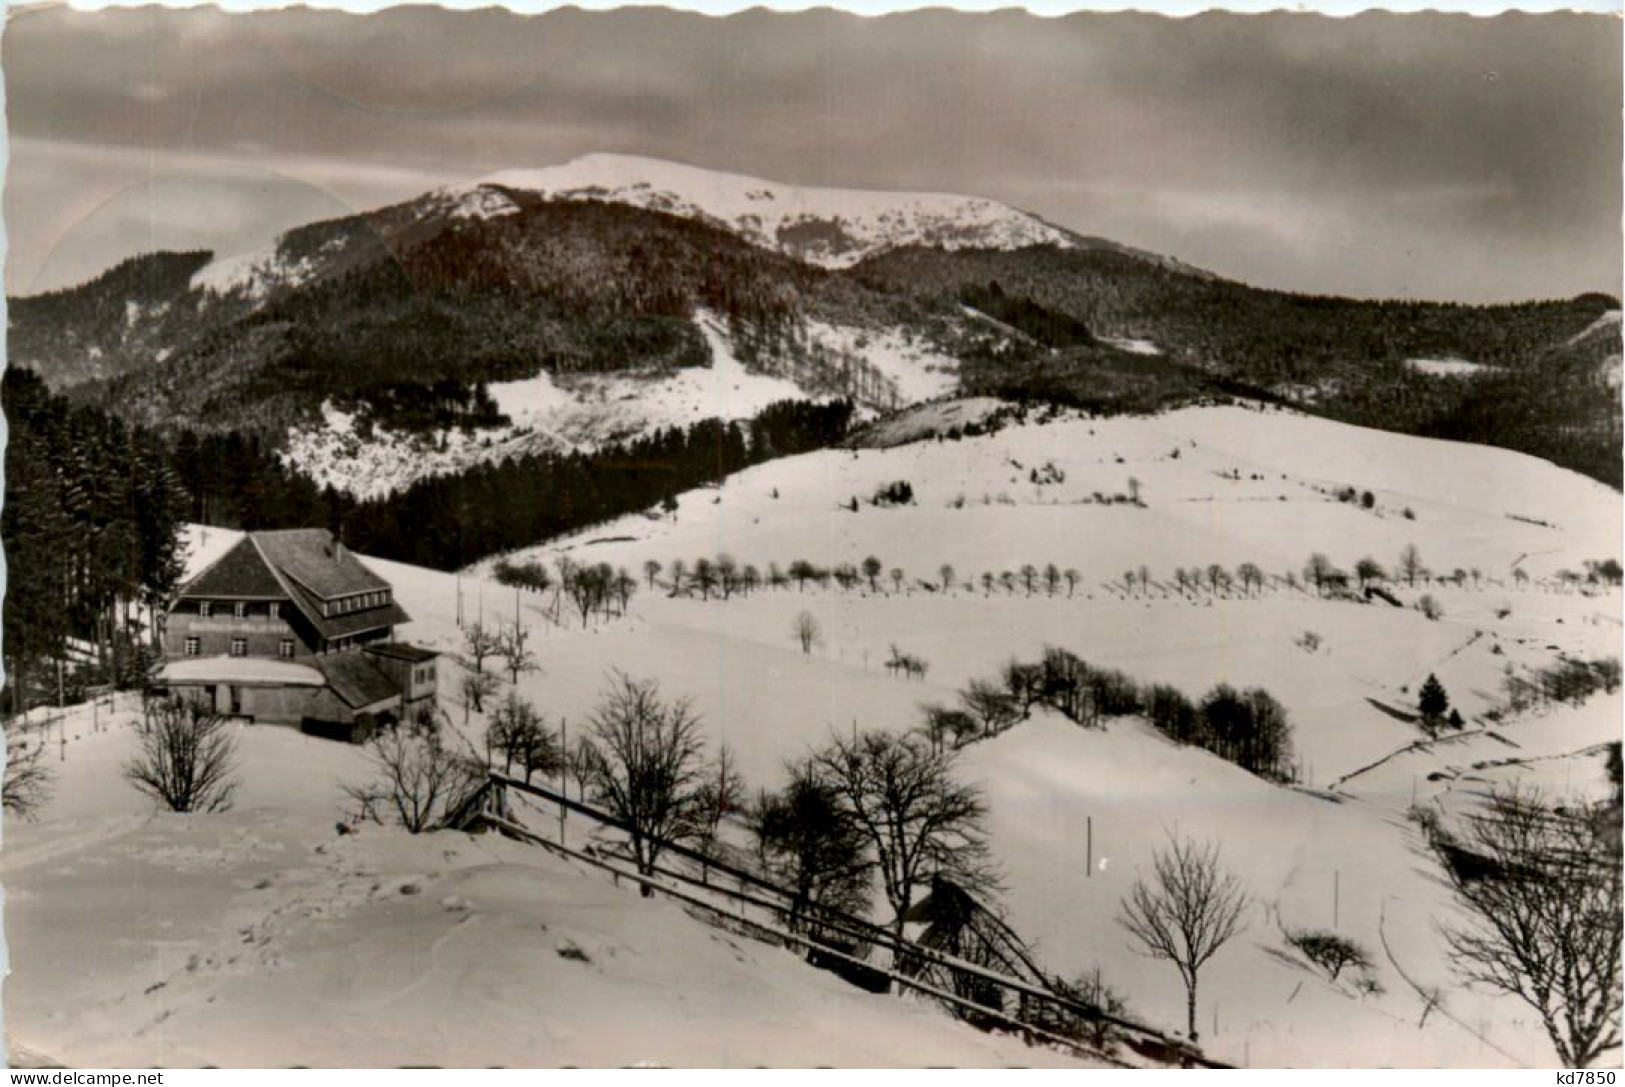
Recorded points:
452,520
235,480
1047,326
92,521
1249,728
1569,681
1540,391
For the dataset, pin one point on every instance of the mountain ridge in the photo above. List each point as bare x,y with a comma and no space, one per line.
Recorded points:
409,315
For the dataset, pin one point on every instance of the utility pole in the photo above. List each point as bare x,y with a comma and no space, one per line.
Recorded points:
1089,824
564,770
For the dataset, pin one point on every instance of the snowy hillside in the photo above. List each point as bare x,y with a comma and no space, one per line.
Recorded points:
879,369
834,228
266,916
260,938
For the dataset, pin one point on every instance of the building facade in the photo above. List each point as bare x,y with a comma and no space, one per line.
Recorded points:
288,627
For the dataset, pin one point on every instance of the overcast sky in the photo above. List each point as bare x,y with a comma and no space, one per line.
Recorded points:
1386,155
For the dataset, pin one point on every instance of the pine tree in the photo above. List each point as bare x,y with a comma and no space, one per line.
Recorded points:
1432,700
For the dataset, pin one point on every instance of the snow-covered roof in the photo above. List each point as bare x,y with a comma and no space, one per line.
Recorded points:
241,670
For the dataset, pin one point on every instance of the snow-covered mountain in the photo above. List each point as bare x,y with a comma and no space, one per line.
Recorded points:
613,294
832,228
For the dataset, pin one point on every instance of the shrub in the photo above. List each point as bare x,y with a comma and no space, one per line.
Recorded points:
417,776
898,493
1329,951
187,757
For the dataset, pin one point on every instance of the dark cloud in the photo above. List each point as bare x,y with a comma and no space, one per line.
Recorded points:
1389,155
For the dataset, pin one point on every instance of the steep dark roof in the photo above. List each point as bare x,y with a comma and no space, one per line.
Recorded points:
401,651
316,561
240,572
355,678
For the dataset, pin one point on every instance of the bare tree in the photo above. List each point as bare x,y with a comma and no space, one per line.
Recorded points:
806,630
1318,571
651,570
1430,607
871,570
704,577
579,765
647,767
589,589
944,725
476,687
1252,578
482,643
187,757
1410,565
991,705
946,573
512,650
28,778
919,821
520,733
809,840
418,776
722,793
1541,887
1189,909
727,568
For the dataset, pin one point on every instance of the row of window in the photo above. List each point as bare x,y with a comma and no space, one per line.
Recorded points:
360,602
239,609
424,674
239,647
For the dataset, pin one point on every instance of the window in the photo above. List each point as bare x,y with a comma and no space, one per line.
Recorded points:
192,647
239,647
240,609
285,650
205,608
274,610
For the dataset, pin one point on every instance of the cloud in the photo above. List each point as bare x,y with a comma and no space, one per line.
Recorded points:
1422,154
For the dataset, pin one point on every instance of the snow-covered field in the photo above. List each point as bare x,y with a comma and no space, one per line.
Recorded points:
263,937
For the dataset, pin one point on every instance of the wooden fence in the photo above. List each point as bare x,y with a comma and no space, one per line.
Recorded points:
839,937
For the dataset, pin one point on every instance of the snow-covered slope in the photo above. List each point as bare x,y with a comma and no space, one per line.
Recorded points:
260,938
830,227
1245,485
878,368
